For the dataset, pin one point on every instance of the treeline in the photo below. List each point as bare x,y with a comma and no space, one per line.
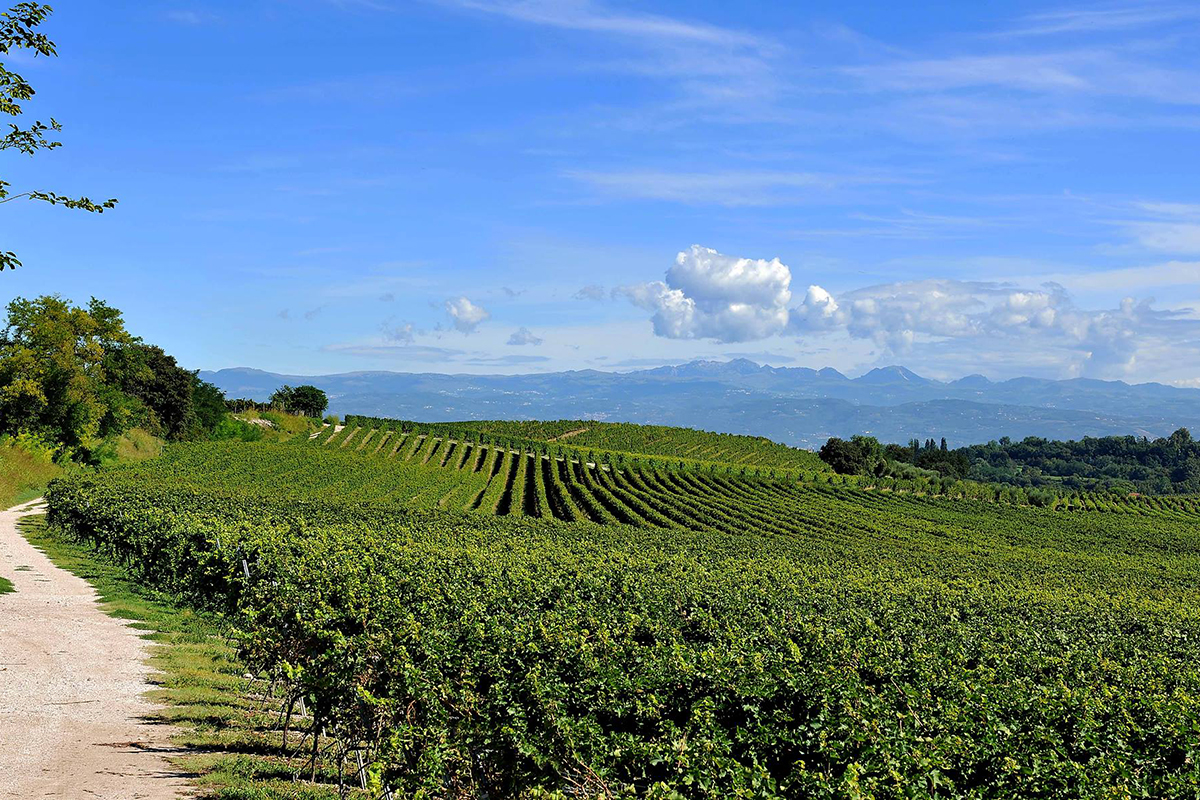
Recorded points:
74,379
1168,465
305,401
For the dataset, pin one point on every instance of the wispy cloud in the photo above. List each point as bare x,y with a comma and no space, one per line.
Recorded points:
1094,19
397,352
192,16
710,65
1165,227
581,15
523,336
1086,71
725,188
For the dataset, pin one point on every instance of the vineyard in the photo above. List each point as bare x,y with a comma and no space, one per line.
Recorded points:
489,613
679,445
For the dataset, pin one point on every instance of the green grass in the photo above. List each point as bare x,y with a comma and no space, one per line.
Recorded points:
6,586
283,426
24,472
231,741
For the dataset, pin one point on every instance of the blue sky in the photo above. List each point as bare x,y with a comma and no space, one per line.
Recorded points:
317,186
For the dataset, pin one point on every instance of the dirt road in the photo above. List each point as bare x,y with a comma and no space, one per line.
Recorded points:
73,722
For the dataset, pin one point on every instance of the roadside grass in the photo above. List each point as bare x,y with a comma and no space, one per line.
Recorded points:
226,723
6,586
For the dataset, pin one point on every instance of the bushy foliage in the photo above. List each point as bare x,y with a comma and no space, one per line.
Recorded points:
75,376
1163,466
306,400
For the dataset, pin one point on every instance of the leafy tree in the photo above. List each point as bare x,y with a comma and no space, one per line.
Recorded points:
208,404
305,400
147,373
309,401
17,32
281,397
75,376
52,370
844,457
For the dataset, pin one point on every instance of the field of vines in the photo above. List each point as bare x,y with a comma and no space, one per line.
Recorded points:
680,444
566,481
477,617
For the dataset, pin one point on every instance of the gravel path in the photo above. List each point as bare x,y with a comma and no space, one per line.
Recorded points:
73,722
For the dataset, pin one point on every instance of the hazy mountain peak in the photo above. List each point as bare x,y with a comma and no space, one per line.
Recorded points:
975,381
893,373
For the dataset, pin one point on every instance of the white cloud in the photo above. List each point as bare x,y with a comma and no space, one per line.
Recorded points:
708,295
524,336
949,323
991,319
465,315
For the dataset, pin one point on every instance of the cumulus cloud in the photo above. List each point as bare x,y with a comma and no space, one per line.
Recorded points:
465,315
994,317
953,323
524,336
709,295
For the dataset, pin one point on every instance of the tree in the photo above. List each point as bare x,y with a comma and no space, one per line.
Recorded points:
17,33
74,376
844,457
147,373
52,378
306,400
309,401
208,404
281,397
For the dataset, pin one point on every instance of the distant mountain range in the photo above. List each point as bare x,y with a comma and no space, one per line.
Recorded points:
798,406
